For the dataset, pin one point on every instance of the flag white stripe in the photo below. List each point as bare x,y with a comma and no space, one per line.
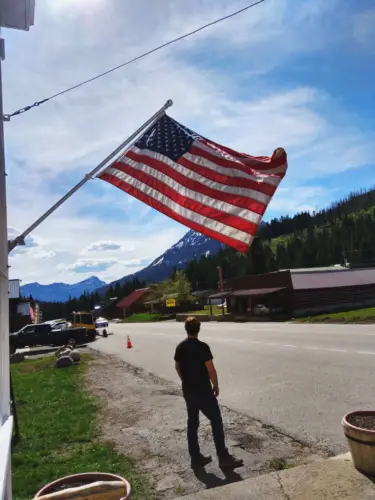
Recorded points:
234,172
271,171
247,193
201,198
230,172
212,224
201,162
204,163
248,161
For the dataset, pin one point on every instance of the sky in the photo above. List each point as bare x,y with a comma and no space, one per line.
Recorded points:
292,73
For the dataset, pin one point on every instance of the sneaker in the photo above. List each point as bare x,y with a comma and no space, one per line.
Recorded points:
230,462
200,461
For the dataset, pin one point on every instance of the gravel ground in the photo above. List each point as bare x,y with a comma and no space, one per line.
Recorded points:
145,417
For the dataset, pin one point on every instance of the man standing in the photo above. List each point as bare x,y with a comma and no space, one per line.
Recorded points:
200,388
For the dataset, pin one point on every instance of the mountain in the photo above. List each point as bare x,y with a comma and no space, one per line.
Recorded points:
192,246
60,292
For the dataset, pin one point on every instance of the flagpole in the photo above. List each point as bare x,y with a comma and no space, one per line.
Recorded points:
221,287
20,239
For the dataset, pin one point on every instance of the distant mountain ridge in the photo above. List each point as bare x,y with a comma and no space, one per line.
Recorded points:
191,246
60,292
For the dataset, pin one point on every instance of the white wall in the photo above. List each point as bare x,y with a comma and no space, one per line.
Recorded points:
18,14
5,418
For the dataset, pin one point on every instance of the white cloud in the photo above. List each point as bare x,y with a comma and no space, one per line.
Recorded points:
219,82
290,200
143,246
91,265
364,28
135,262
103,246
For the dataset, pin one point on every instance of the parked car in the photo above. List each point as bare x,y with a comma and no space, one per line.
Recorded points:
101,323
44,334
261,310
61,325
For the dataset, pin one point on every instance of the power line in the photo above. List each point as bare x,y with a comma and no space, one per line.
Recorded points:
137,58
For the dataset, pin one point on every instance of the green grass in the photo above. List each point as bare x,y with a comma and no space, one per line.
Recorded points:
280,464
59,429
356,316
150,318
143,318
215,311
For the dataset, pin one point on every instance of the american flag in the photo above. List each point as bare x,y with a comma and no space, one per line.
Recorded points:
207,187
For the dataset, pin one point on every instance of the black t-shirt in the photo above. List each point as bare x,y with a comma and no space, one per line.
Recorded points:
191,355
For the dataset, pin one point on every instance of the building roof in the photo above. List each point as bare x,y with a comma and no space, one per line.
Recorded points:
202,293
133,297
219,295
333,279
334,268
256,291
246,293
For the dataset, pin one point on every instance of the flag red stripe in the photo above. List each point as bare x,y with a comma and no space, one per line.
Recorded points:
185,212
241,201
186,202
261,187
227,163
124,186
262,162
201,166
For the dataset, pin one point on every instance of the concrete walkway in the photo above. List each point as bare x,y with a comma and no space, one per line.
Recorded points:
332,479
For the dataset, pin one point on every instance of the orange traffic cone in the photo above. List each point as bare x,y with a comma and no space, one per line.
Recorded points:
129,344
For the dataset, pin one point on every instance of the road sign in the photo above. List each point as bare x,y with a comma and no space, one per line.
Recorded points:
170,302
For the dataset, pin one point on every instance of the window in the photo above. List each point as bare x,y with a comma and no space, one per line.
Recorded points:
87,319
30,330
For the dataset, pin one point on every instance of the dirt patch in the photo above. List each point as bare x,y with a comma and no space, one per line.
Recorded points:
145,417
363,421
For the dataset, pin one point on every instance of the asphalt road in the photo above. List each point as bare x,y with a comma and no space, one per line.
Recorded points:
299,378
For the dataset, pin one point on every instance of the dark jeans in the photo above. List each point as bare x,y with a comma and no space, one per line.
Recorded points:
207,403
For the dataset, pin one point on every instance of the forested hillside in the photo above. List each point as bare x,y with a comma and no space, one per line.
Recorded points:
342,233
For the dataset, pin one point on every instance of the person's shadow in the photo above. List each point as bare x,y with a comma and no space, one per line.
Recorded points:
213,481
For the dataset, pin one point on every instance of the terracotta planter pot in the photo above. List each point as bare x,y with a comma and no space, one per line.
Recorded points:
361,442
88,477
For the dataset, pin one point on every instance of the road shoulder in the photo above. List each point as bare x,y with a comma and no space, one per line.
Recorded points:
145,417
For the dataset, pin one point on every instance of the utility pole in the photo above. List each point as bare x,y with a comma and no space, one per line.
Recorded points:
221,288
4,301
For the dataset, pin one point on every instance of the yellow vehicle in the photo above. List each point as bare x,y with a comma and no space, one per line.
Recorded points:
83,319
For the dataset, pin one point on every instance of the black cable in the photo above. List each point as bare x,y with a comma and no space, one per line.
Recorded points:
137,58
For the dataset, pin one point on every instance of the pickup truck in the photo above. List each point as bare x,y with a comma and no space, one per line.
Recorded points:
43,334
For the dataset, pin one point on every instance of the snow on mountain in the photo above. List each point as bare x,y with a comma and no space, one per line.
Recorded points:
192,245
60,292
